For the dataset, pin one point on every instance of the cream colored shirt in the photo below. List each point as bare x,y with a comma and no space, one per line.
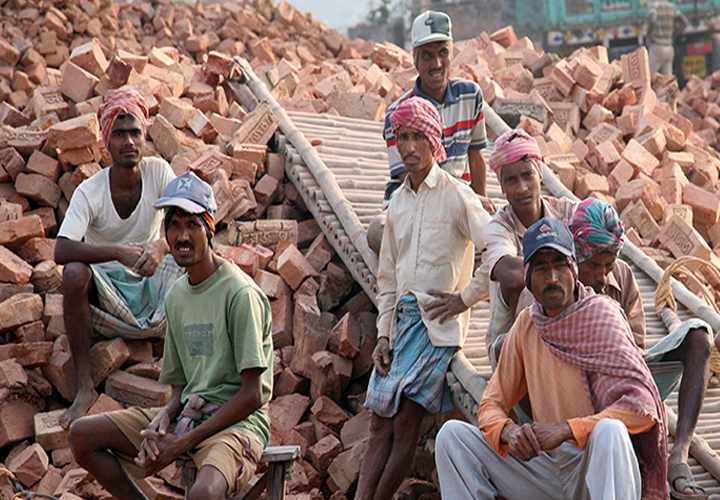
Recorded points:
428,244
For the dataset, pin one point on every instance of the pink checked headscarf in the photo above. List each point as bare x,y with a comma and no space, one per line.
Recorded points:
122,101
512,146
421,114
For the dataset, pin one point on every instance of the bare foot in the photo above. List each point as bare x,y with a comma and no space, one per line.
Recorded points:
83,402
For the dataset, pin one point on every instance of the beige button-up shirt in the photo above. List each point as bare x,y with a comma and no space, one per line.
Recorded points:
428,244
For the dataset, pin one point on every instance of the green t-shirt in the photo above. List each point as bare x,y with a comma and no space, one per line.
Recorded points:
215,330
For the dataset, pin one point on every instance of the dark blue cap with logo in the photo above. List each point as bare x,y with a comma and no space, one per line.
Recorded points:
548,233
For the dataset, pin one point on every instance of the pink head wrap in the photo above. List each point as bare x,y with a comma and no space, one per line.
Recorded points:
421,114
512,146
123,101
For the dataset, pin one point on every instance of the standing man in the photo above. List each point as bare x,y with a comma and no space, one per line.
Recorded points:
460,105
662,18
426,287
572,352
218,358
517,162
115,278
598,234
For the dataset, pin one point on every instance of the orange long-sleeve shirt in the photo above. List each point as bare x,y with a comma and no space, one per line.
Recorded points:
556,390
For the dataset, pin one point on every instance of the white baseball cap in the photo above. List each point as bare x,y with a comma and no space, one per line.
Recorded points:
431,26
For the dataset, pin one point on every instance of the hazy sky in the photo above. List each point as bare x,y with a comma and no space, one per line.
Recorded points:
338,14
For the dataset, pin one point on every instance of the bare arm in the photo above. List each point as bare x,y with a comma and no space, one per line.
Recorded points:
510,273
478,171
76,251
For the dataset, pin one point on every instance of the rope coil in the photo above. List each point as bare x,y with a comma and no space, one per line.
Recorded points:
698,272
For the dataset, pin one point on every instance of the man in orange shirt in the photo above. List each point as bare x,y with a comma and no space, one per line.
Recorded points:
572,352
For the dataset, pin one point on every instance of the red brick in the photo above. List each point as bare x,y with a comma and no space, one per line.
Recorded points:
682,239
90,57
329,412
705,205
107,356
30,465
311,331
345,468
287,411
13,233
266,189
140,351
104,404
636,68
48,100
10,211
77,84
322,453
30,332
294,268
620,175
271,284
40,163
39,188
16,421
319,253
282,316
28,354
74,133
640,218
13,269
265,255
345,337
48,431
244,257
258,127
133,390
155,488
12,374
356,430
8,53
330,375
60,371
253,153
640,158
12,163
201,126
176,110
37,250
72,479
289,383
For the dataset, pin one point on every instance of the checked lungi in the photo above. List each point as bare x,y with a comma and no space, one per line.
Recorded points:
132,306
417,371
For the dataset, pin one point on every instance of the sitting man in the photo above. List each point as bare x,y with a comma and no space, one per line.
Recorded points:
116,272
426,287
517,162
598,234
460,105
218,357
572,351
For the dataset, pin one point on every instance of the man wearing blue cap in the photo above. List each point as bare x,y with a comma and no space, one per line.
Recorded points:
218,358
572,352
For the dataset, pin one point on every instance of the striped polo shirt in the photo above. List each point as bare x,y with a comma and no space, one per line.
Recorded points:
666,12
463,118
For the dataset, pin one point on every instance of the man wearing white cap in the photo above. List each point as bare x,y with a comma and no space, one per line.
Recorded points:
460,105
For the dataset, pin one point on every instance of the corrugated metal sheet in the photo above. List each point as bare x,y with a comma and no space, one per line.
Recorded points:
354,152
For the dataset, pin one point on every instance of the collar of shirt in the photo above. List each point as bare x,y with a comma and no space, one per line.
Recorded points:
431,179
449,98
611,281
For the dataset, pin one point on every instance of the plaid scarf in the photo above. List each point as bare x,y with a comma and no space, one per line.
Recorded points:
421,114
122,101
593,335
512,146
596,228
195,412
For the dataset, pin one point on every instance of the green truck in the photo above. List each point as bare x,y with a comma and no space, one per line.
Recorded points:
620,25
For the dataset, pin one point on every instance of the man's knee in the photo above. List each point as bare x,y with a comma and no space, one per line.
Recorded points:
82,437
210,485
611,431
76,277
698,342
450,435
381,428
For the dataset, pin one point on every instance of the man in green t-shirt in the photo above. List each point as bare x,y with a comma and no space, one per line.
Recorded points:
218,358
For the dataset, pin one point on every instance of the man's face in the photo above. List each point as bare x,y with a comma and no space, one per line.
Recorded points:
415,149
595,271
552,282
520,183
127,141
433,66
187,238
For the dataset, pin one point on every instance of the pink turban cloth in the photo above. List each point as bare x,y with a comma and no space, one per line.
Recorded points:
422,115
124,101
512,146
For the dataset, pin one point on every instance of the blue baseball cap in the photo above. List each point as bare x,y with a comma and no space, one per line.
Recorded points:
189,193
548,233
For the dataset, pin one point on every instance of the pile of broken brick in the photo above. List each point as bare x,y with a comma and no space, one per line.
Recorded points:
607,129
